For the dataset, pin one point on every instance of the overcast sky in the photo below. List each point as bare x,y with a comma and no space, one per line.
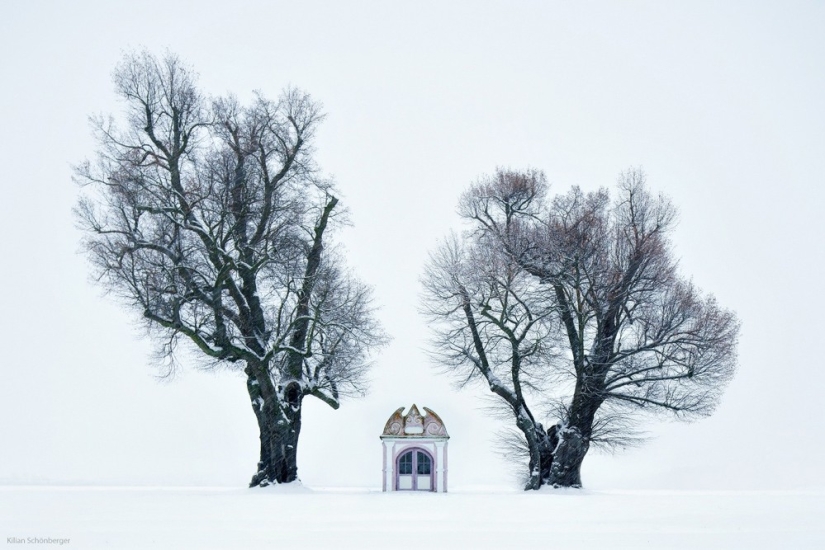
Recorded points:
721,104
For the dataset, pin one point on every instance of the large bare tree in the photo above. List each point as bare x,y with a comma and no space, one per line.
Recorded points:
210,219
575,304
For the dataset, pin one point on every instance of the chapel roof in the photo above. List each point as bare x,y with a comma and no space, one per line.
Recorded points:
413,424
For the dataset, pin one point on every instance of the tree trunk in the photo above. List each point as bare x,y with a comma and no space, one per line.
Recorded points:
567,461
279,424
574,434
540,445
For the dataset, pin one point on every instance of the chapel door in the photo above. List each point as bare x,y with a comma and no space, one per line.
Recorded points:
415,469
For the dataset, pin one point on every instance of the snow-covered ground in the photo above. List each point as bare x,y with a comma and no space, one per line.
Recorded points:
294,517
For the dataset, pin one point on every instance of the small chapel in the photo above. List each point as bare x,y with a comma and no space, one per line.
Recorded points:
415,452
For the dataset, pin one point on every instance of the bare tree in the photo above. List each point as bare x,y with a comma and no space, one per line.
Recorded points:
210,220
575,303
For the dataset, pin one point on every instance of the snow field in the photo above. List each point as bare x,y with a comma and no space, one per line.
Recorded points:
294,517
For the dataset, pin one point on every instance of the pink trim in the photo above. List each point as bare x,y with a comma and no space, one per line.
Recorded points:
384,471
445,466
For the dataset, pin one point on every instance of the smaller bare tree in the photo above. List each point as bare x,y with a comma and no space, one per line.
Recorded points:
575,304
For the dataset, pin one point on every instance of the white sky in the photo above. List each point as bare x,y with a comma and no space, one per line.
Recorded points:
721,104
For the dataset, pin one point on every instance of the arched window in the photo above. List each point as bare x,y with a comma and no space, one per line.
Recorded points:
424,464
405,464
415,468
